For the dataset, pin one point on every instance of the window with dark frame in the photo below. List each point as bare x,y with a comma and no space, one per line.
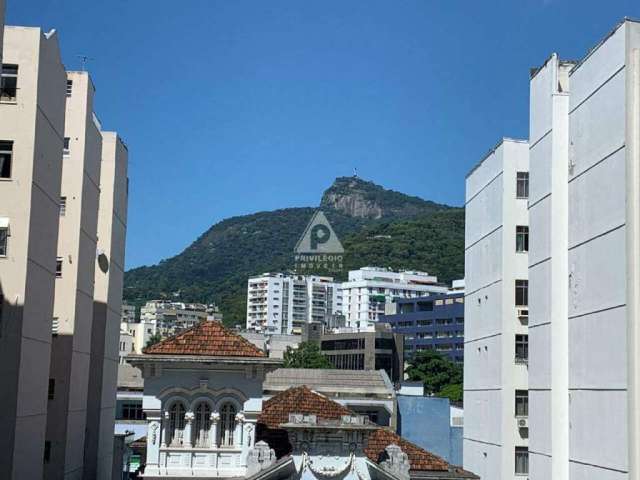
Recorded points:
6,158
63,206
58,267
132,411
522,238
8,83
52,389
522,461
4,235
522,403
65,148
522,348
522,184
522,293
47,452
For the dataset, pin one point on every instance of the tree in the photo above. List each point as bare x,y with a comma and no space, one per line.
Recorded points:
153,339
440,375
307,355
453,392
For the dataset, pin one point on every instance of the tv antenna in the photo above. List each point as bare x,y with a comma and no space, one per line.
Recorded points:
83,61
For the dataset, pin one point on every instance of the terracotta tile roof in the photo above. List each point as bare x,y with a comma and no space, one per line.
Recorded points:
419,458
276,410
209,338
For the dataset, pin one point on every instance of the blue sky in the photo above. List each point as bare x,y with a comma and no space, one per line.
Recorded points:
231,107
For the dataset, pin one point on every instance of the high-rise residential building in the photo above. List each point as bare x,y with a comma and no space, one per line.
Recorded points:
584,268
370,289
99,457
75,271
32,109
283,303
495,312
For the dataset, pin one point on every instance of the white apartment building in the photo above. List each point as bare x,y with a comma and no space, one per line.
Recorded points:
32,112
370,289
584,268
140,333
75,271
172,317
496,298
128,313
279,303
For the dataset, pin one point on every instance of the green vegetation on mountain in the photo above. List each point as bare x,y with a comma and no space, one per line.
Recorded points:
376,226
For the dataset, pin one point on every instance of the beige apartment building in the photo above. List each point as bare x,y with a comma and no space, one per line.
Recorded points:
99,461
75,269
32,118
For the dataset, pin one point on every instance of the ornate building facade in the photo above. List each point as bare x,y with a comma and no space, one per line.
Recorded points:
202,398
203,393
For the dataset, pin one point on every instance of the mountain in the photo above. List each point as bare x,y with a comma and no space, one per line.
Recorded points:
376,226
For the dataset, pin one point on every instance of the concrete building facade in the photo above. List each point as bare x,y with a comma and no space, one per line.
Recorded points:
584,270
75,270
435,323
280,303
99,456
496,298
370,289
32,108
377,349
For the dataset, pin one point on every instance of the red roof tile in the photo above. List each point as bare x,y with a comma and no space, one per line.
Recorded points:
419,459
208,338
276,410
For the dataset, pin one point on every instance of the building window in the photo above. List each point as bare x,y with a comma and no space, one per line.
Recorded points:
59,267
6,156
202,425
132,411
522,184
69,87
9,83
65,147
47,452
522,238
522,461
522,293
522,403
522,348
4,234
176,425
63,206
227,425
52,388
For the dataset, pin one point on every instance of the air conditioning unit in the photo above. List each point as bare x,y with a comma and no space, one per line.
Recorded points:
523,423
523,313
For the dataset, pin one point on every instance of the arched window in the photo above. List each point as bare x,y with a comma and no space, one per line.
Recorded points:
202,425
227,425
176,425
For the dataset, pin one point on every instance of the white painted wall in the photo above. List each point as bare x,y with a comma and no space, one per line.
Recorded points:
491,267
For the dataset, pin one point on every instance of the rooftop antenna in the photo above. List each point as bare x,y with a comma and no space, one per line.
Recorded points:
83,61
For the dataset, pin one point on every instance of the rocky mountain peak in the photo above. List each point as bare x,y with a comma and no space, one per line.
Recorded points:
359,198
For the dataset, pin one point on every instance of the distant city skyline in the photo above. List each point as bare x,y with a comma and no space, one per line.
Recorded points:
235,107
